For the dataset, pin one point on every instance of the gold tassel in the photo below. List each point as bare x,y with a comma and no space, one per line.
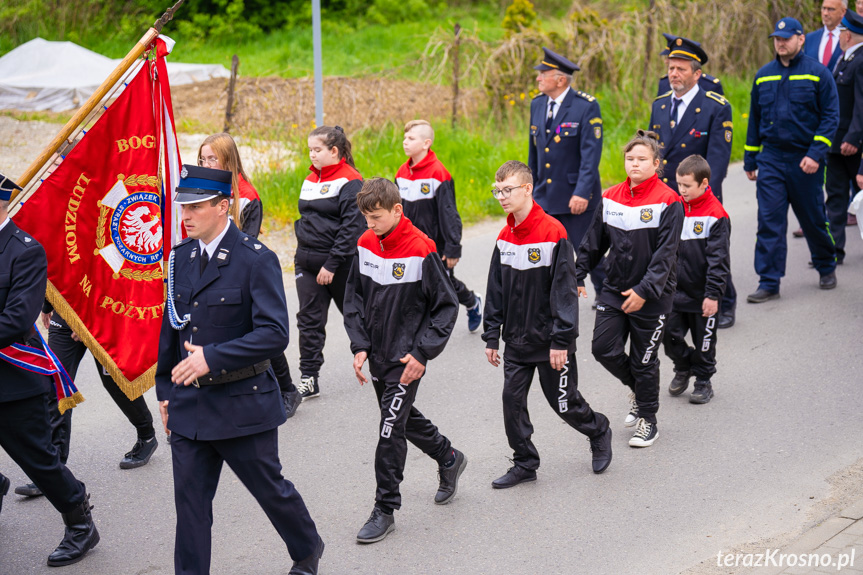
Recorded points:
133,389
70,402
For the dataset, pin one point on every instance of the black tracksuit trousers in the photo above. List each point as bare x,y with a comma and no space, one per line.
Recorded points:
314,308
701,359
639,370
561,391
401,422
465,296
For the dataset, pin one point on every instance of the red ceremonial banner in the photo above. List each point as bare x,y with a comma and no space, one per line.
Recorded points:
100,218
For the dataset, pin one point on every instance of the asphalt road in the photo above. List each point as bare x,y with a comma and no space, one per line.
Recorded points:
786,415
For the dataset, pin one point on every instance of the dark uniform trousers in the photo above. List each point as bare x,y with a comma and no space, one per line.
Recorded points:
780,182
25,434
400,422
561,391
314,309
255,461
70,353
465,296
639,370
840,171
700,359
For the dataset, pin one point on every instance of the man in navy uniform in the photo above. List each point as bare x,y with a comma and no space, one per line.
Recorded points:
793,116
225,317
823,43
706,82
692,120
565,149
843,161
25,428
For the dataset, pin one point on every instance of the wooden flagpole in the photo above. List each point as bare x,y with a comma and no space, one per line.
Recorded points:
94,100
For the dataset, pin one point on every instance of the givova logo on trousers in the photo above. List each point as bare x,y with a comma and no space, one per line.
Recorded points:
708,334
395,406
562,385
654,340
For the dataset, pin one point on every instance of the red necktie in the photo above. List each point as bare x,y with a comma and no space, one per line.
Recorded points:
828,50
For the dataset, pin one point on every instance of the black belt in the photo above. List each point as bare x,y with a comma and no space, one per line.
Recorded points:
230,376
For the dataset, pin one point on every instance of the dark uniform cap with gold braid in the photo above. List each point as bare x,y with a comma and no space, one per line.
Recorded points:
553,61
7,186
684,48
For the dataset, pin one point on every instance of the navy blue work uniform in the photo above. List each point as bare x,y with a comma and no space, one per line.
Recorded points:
233,305
841,183
794,113
25,396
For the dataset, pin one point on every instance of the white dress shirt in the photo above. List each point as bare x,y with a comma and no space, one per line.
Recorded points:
557,102
211,247
850,51
5,222
685,100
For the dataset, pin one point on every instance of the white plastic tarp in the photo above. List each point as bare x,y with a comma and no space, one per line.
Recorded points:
56,76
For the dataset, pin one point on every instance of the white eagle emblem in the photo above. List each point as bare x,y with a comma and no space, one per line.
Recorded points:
144,236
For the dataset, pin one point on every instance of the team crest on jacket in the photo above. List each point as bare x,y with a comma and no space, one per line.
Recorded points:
398,271
324,189
425,189
728,136
533,255
647,215
698,227
597,131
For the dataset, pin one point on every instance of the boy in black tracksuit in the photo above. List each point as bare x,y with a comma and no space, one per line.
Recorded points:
428,197
532,303
703,265
400,309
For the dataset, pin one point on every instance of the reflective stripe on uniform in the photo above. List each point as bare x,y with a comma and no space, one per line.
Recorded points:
767,79
804,77
824,140
752,148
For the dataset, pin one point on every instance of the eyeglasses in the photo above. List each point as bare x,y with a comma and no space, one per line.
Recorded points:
504,193
208,161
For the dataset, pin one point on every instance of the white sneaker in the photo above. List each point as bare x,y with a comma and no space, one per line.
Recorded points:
632,416
308,388
645,434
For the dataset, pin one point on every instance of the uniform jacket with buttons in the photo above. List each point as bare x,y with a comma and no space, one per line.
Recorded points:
238,314
428,197
849,87
703,260
330,221
23,279
531,298
706,82
705,129
565,161
399,299
792,109
639,226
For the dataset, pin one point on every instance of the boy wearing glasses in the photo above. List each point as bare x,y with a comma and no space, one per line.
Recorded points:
532,303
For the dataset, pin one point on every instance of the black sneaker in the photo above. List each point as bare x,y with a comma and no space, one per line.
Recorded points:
762,295
601,448
513,477
679,383
632,416
292,401
702,393
308,387
377,527
645,434
28,490
448,477
474,315
140,454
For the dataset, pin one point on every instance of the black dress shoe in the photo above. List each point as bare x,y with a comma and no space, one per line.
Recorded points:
140,454
292,400
726,319
378,526
827,281
28,490
309,565
4,488
81,536
762,295
513,477
448,476
601,448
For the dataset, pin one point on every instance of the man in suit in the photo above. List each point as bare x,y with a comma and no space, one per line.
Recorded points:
564,150
25,429
843,160
691,120
823,43
225,317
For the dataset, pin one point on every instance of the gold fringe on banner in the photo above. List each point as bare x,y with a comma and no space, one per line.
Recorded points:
133,389
70,402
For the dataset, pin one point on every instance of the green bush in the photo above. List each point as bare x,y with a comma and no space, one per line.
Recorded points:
388,11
